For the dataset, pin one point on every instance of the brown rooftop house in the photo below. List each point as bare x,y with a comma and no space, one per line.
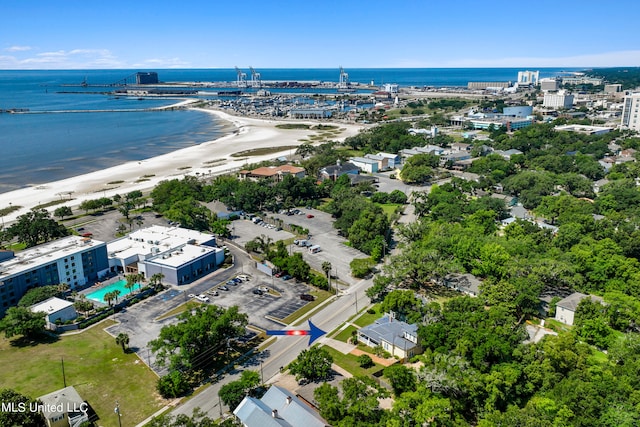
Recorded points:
276,173
566,307
64,408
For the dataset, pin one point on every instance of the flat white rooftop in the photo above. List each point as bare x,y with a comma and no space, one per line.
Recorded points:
142,241
33,258
169,246
183,255
51,305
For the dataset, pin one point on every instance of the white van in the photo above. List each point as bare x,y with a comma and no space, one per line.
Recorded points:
315,249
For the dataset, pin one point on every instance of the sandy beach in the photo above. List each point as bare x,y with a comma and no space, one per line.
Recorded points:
208,159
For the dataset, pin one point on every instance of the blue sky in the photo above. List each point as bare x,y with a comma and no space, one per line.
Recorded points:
69,34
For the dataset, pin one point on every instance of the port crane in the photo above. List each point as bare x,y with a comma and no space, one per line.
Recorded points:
242,78
343,83
256,78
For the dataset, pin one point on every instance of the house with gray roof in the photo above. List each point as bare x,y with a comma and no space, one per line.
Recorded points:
466,283
277,408
64,408
397,337
566,307
332,172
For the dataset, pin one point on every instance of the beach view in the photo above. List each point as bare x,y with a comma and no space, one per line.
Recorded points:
410,215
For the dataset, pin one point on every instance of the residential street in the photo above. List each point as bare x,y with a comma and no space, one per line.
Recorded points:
285,349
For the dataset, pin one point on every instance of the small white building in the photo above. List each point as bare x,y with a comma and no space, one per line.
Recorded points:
393,160
366,165
56,309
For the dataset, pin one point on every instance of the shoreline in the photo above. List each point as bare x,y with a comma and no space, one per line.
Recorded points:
209,158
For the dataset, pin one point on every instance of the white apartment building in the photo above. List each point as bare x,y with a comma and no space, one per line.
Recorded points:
558,100
630,109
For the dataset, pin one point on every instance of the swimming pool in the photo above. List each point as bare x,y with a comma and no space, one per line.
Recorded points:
119,285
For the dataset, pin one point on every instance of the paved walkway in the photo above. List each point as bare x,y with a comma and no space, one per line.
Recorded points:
376,359
342,347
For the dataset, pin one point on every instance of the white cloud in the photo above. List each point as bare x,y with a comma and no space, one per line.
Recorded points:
163,63
18,48
65,59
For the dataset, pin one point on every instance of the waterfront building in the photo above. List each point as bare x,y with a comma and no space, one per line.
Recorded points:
276,173
310,113
528,78
74,260
630,112
179,254
558,100
149,78
488,85
510,124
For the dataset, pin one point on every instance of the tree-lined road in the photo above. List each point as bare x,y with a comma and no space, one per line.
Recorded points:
285,349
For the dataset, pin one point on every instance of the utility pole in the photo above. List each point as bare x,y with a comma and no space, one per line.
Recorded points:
261,373
64,378
356,297
117,411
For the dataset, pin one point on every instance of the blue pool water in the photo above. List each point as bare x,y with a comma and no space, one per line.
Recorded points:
119,285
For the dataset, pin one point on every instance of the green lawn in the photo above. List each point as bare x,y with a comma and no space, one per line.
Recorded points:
93,364
389,208
349,362
345,334
366,318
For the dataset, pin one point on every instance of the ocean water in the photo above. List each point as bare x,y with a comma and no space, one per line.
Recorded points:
39,148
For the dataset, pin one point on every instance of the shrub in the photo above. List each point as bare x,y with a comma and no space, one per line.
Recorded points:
365,361
174,384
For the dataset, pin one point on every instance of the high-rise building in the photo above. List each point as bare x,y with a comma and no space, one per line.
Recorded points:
528,77
74,260
558,100
630,112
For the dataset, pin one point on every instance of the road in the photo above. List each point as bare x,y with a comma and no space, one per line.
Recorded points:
284,350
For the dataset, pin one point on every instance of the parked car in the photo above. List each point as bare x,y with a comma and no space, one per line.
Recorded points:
87,234
231,283
280,274
223,288
191,296
244,277
236,280
307,297
213,293
287,277
309,216
203,298
263,288
257,292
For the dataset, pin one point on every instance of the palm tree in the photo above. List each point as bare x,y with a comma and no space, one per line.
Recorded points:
109,296
123,340
156,279
62,288
130,283
326,267
116,294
